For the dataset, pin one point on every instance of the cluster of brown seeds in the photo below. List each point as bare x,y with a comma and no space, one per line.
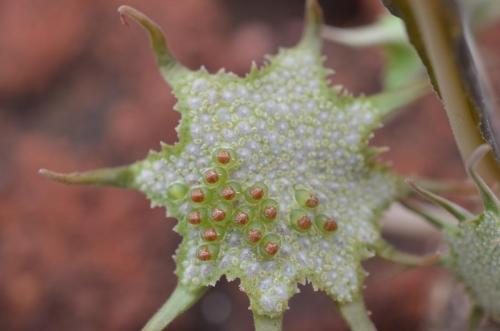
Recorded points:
307,215
220,204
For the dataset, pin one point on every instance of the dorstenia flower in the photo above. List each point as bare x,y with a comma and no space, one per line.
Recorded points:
272,181
474,244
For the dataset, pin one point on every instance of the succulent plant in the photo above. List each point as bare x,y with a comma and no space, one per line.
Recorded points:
474,254
272,181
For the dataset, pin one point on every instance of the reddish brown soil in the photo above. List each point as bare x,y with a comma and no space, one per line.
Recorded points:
78,90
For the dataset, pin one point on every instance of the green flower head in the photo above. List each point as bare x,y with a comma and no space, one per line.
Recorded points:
474,244
272,181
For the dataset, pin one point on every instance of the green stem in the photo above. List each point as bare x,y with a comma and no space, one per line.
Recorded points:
426,215
387,30
116,177
266,323
387,102
436,29
356,315
489,198
450,187
178,302
311,35
476,316
390,253
460,213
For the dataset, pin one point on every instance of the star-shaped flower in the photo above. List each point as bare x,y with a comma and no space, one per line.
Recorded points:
272,181
474,244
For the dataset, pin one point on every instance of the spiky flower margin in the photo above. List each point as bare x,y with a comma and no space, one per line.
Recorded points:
474,244
272,180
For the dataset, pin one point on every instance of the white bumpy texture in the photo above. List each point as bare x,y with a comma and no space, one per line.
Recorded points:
288,127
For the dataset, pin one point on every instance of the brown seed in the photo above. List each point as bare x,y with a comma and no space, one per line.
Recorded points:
257,193
313,201
194,217
271,248
228,193
197,195
241,218
270,212
304,223
224,157
204,254
218,214
211,176
210,234
330,225
254,235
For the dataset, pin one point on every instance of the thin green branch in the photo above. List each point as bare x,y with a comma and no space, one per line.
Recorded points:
390,253
387,102
266,323
426,215
356,315
460,213
489,198
388,29
437,30
476,316
449,187
179,301
116,177
311,35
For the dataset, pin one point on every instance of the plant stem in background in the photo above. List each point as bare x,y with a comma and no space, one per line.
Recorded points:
178,302
356,316
265,323
438,30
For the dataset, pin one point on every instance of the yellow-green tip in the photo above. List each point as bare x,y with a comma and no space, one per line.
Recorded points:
116,177
489,198
313,23
167,63
460,213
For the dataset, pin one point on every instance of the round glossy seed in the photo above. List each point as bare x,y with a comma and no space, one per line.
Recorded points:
204,254
312,201
270,245
218,214
210,234
241,218
330,225
269,210
256,193
228,193
304,223
326,224
223,156
214,176
306,198
208,252
194,217
300,220
271,248
198,195
211,176
255,233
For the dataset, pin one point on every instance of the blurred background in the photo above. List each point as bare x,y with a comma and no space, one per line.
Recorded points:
78,90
